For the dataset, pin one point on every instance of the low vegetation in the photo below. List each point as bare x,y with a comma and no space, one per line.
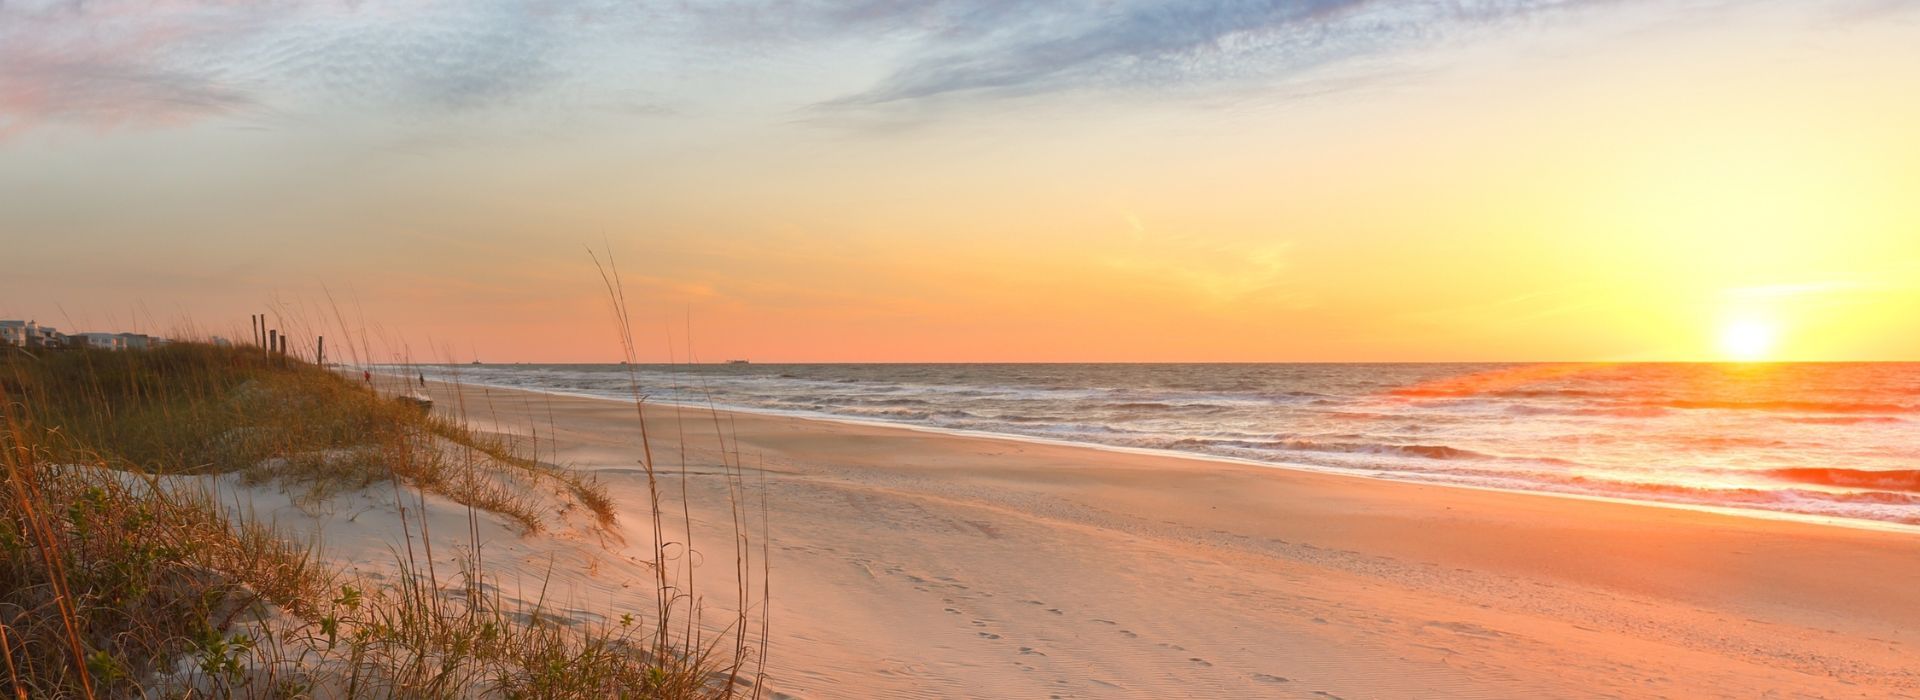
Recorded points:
114,582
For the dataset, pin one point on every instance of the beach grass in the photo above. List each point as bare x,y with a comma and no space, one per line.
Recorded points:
116,582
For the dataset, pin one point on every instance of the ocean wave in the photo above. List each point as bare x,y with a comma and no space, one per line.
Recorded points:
1840,420
891,413
1732,442
885,401
1162,406
1527,409
1906,480
1791,500
1474,391
1423,451
1546,393
1793,406
1356,415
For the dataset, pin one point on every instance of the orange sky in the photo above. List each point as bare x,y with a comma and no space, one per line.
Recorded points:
1578,181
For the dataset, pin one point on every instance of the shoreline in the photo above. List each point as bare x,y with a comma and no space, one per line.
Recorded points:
1732,511
908,563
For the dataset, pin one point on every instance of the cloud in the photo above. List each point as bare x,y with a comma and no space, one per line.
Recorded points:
111,63
69,62
1043,47
105,94
1795,289
116,62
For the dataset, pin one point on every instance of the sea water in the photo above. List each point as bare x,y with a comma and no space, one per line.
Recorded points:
1840,440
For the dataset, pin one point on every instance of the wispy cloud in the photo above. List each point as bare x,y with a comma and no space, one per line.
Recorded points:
74,62
1795,289
117,63
1042,47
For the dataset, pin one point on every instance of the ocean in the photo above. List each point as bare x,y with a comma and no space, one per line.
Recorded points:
1825,440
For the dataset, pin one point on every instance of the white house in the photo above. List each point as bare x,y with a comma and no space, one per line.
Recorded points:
13,333
114,341
33,335
97,341
29,335
136,341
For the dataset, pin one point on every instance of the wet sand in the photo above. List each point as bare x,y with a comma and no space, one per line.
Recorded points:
914,564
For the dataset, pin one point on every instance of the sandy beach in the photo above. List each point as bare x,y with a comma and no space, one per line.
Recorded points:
914,564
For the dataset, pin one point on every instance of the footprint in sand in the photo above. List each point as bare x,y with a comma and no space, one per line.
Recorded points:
989,635
1031,651
1265,678
1129,634
1202,662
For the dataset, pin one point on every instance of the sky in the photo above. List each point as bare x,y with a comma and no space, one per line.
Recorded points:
981,180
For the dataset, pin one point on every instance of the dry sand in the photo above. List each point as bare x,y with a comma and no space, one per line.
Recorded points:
915,564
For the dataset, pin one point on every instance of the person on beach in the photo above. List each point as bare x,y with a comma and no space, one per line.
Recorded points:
423,380
368,374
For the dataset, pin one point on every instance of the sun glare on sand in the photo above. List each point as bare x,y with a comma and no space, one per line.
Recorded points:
1748,339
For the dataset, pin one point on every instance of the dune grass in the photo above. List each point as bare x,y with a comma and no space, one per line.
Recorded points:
113,584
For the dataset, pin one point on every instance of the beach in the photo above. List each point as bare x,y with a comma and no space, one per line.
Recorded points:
909,563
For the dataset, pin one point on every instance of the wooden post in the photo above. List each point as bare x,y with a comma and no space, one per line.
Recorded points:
320,352
273,341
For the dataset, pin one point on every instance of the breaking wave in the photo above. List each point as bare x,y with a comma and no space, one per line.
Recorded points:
1907,480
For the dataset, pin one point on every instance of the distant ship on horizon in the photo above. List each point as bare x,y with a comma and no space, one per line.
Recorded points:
738,362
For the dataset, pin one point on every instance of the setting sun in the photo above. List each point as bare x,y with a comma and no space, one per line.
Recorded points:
1748,340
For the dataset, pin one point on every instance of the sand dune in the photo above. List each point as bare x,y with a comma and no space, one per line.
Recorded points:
909,564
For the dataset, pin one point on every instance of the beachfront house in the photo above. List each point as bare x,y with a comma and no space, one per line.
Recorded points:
28,334
13,333
136,341
98,341
115,341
